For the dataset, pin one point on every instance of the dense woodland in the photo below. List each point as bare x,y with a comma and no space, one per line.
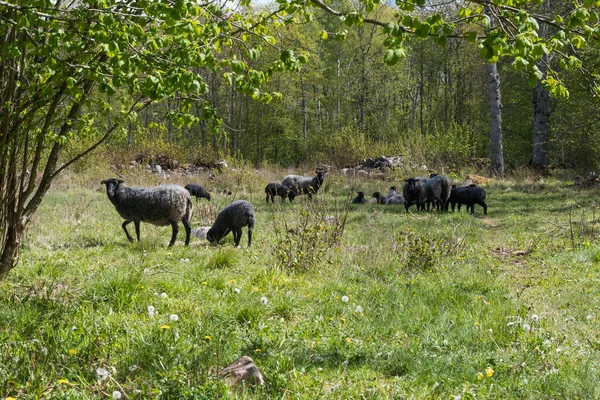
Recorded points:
346,103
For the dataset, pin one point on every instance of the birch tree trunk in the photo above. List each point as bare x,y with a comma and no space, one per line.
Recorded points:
493,82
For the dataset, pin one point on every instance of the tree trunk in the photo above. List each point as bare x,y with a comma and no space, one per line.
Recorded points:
493,79
496,152
541,116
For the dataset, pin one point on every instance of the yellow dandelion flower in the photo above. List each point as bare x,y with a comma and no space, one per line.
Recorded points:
479,376
164,327
207,338
331,319
204,283
72,352
477,324
257,350
489,371
63,381
349,340
343,320
232,281
10,398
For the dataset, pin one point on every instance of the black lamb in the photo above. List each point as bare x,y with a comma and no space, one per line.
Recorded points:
414,193
160,205
198,191
469,195
233,218
359,199
305,185
276,189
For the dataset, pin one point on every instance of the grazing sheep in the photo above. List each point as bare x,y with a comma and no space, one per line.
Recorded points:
160,205
305,185
414,193
233,218
469,195
276,189
437,191
198,191
360,199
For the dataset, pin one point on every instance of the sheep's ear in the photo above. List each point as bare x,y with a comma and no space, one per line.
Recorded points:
120,180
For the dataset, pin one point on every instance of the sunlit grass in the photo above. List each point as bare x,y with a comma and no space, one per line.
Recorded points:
506,307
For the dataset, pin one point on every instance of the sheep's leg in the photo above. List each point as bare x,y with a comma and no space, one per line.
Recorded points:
482,204
124,226
188,230
237,235
267,198
249,236
137,229
175,227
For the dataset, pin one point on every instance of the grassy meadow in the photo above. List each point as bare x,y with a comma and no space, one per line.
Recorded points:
369,303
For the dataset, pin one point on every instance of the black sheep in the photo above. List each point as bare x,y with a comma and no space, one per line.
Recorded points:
414,193
197,191
469,195
276,189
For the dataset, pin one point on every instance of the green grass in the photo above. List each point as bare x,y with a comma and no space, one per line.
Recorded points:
433,299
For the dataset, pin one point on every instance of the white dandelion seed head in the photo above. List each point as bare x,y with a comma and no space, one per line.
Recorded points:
526,327
236,291
535,318
174,317
116,395
133,368
163,295
589,317
151,309
102,373
345,299
359,309
45,351
264,300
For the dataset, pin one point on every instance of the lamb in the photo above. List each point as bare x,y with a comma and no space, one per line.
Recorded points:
437,190
359,199
469,195
305,185
198,191
380,199
233,218
276,189
414,193
393,197
160,205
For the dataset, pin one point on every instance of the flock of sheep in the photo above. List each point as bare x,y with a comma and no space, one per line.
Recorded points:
168,204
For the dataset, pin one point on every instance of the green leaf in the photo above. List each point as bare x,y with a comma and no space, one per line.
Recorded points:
324,35
442,40
471,36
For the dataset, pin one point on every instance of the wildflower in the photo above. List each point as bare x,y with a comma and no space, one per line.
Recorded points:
257,350
151,311
359,309
343,320
116,395
236,291
63,381
10,398
72,352
133,368
349,340
165,327
264,300
204,283
589,317
102,373
526,327
174,317
163,295
479,376
45,351
489,371
345,299
207,338
534,317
